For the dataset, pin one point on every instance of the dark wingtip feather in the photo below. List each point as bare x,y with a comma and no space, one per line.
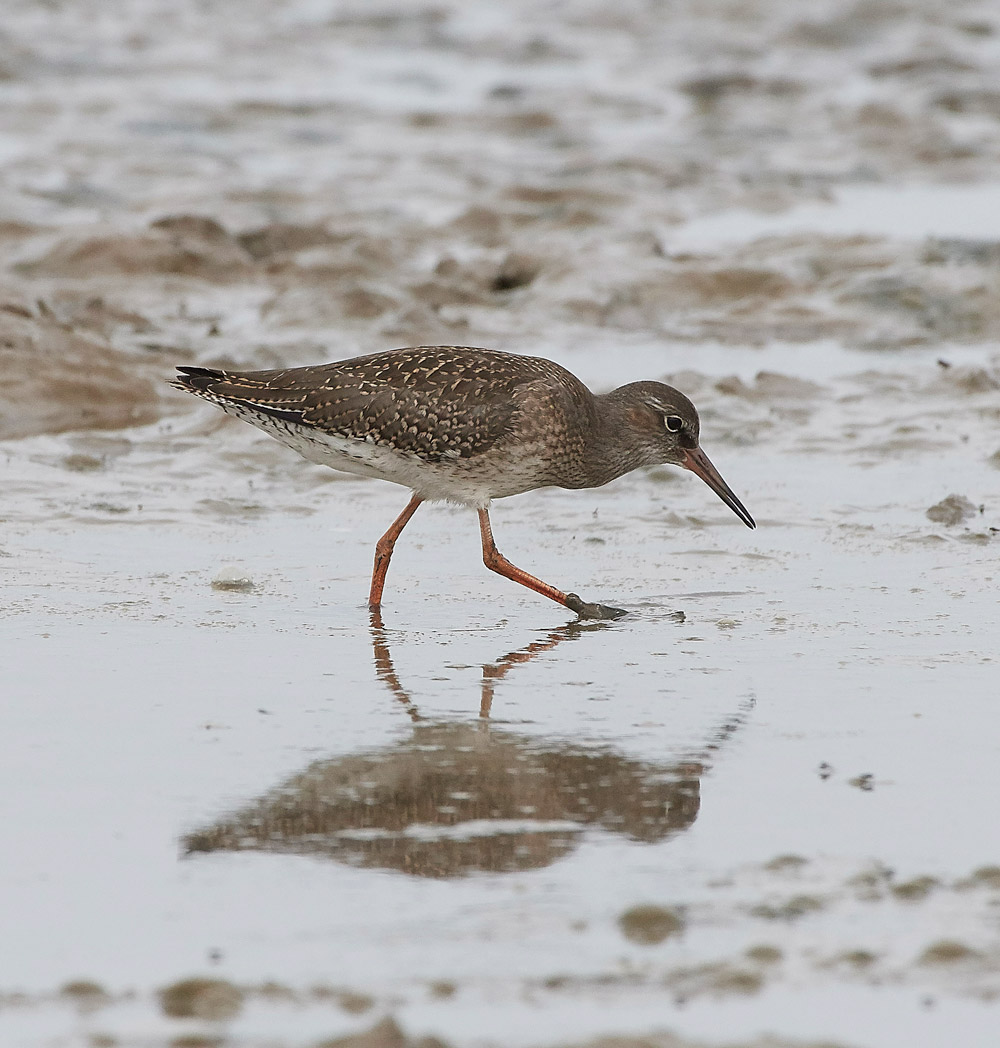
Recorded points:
195,379
205,382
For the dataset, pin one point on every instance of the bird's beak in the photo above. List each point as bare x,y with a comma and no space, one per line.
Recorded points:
700,464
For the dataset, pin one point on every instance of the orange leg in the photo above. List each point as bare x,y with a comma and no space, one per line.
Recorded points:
383,553
496,561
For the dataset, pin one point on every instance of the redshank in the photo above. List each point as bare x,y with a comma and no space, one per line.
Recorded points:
466,425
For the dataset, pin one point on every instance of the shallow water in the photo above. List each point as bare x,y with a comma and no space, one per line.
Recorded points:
215,764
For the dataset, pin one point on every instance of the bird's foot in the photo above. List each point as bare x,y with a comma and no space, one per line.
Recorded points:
592,611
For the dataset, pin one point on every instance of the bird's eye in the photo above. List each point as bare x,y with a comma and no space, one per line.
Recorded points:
674,423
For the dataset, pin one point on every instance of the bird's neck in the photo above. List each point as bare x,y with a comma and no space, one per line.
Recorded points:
610,451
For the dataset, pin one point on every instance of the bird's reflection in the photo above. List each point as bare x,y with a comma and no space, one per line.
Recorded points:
454,798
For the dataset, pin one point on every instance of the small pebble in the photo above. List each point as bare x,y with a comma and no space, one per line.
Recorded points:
232,579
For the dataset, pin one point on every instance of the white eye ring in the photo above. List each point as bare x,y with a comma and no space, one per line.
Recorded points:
673,423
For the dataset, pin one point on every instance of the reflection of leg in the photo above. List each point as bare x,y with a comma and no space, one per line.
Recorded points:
496,561
492,672
383,552
500,669
384,667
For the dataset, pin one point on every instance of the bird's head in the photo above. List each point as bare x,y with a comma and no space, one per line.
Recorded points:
665,425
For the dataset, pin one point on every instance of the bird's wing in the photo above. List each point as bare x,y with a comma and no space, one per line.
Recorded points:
433,401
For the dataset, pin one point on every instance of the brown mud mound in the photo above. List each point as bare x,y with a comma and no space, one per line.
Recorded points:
184,245
56,380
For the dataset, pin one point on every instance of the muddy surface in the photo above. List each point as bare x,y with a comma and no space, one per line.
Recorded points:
759,809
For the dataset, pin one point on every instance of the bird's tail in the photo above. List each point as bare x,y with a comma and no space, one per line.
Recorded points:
197,380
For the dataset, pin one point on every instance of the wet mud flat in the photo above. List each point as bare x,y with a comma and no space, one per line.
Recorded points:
757,810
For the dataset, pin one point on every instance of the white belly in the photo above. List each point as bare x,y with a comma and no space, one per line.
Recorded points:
452,479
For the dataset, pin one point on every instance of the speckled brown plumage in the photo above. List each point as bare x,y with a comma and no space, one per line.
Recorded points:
464,424
436,402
